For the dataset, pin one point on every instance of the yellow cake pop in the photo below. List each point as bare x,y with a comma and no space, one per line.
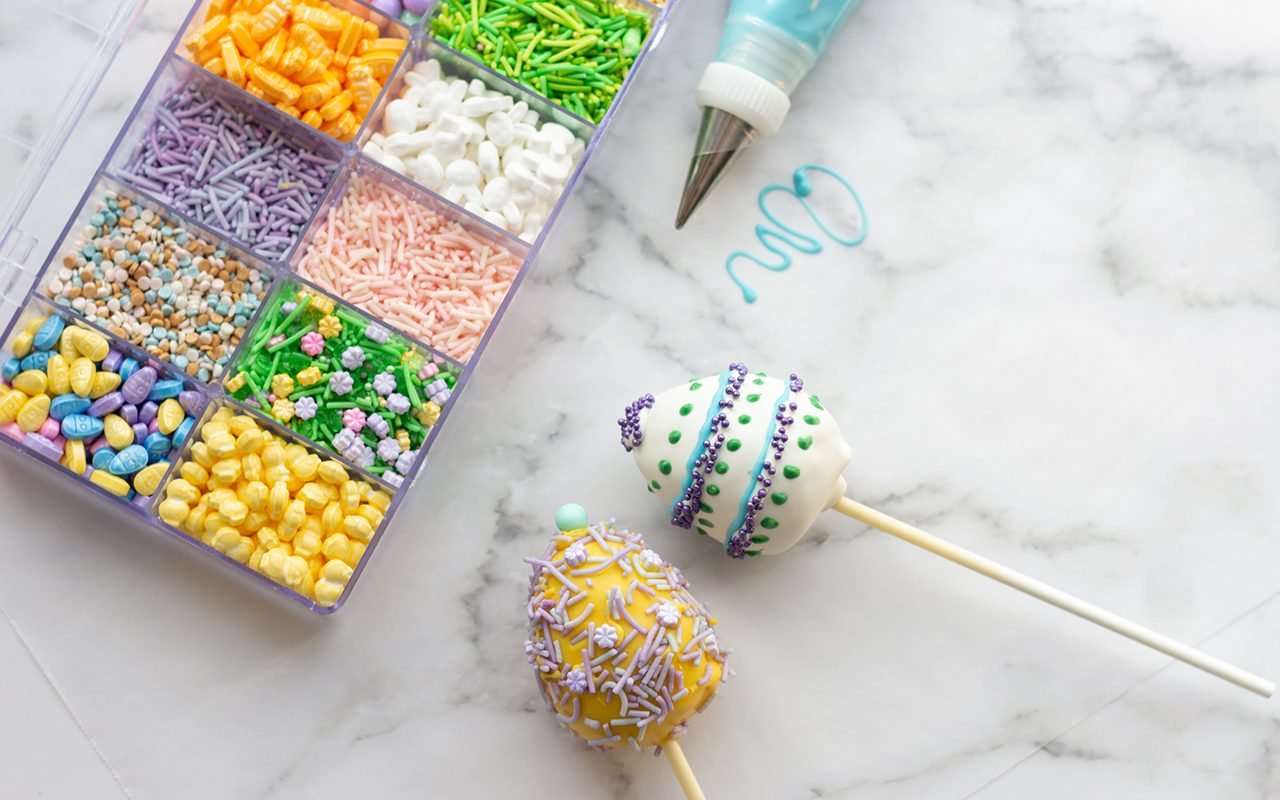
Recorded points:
623,653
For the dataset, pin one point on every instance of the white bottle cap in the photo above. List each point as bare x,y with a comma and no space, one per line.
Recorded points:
744,94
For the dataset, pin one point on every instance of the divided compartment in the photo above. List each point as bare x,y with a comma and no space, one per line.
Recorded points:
57,277
307,367
457,338
388,28
289,198
455,65
262,526
654,14
32,314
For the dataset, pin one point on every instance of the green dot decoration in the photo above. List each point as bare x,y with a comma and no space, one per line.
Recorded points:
778,498
811,419
815,403
685,409
791,471
673,437
805,442
712,489
664,466
744,419
769,522
732,445
721,467
706,523
753,398
654,485
706,509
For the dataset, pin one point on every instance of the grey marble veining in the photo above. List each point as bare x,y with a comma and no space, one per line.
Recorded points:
1056,348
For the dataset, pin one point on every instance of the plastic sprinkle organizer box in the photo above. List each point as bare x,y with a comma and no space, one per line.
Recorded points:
274,289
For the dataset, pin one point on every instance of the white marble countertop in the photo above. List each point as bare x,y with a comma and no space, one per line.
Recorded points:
1057,347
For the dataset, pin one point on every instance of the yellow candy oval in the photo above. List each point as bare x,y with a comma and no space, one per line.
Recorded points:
307,543
67,344
200,452
31,382
22,344
234,510
380,500
221,444
314,496
273,454
331,517
277,500
103,383
182,491
249,441
148,478
119,433
253,494
170,416
305,466
358,527
10,405
59,374
350,496
73,457
92,345
251,467
33,414
112,483
81,376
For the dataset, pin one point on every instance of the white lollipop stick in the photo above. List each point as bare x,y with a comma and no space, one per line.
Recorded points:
1064,601
684,773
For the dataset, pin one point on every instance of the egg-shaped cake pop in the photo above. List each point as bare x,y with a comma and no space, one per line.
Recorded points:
746,459
624,654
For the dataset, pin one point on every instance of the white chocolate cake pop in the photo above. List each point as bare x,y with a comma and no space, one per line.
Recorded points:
752,461
748,460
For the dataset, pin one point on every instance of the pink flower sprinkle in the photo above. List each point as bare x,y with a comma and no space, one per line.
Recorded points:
353,419
312,344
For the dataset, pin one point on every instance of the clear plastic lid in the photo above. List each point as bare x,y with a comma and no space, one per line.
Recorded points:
69,46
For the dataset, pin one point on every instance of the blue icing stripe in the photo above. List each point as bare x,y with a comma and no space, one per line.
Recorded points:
733,528
699,447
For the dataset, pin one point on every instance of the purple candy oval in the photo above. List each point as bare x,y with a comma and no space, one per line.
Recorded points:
136,389
105,405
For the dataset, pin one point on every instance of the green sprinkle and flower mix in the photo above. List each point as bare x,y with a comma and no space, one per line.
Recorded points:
576,53
344,381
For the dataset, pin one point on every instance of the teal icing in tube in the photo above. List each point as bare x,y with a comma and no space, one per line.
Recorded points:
781,40
783,235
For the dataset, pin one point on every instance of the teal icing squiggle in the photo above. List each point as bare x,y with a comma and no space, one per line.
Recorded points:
774,240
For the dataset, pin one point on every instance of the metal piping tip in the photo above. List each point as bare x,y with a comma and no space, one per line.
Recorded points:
722,140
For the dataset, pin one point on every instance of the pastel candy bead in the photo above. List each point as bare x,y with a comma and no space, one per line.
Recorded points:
138,385
127,367
22,344
82,372
102,458
93,346
128,461
11,368
118,432
104,383
112,483
106,404
81,426
33,413
10,404
36,361
49,333
157,446
183,431
12,430
192,402
73,457
129,412
147,481
140,431
147,412
44,446
170,416
99,444
59,374
50,429
163,390
66,404
112,361
31,382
